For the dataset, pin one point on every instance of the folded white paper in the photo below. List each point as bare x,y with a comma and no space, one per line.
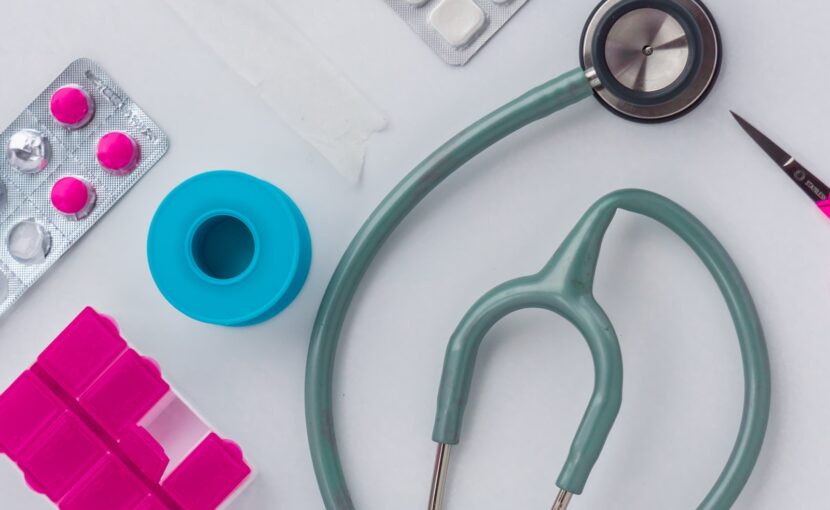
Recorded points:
293,77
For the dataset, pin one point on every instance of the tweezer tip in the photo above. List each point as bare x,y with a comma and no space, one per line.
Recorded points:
740,120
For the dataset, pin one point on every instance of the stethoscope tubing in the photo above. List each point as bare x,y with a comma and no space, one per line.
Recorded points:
565,286
534,105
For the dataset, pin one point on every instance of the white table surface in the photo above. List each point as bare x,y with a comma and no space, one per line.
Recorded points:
500,217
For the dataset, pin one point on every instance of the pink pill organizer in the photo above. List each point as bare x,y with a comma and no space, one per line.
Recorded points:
93,425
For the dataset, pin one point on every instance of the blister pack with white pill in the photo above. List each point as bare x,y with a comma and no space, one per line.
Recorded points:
68,158
456,29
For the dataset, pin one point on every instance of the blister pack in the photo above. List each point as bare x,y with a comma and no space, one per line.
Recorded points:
69,157
456,29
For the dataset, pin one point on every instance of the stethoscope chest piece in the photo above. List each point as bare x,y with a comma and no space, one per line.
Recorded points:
651,60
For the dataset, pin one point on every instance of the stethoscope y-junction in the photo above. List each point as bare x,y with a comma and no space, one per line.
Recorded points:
565,286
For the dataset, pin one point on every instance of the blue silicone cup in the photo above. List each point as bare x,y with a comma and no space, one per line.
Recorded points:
227,248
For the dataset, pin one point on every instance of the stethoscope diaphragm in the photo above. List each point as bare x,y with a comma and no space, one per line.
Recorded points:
651,60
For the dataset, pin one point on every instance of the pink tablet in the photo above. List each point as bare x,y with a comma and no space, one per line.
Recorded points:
118,152
72,107
73,196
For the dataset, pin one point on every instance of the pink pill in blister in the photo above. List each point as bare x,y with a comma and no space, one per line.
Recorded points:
118,152
73,196
72,106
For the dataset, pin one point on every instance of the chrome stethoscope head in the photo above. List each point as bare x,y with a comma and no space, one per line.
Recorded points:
651,60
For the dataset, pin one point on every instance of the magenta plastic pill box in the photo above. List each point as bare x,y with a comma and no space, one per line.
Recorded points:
93,425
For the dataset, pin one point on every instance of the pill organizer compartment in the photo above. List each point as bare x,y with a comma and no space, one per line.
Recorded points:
93,425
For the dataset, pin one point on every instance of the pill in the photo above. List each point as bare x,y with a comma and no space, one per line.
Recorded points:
458,21
72,106
73,196
29,151
118,152
29,242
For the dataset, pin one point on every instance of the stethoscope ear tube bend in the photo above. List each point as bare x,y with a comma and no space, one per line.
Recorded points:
565,286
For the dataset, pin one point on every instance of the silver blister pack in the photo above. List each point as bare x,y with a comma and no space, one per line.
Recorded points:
48,164
456,29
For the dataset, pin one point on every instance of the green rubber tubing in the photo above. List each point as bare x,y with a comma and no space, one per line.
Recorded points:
536,104
565,286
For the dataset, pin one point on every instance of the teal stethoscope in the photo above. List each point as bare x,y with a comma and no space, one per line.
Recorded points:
646,60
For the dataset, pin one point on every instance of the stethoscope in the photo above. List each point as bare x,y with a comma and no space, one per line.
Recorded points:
645,60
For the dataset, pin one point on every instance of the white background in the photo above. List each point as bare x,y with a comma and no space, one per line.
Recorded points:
500,217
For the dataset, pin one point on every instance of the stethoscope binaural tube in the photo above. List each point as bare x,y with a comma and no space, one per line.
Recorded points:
536,104
565,286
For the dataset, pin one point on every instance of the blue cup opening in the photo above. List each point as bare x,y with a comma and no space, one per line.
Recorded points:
223,247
